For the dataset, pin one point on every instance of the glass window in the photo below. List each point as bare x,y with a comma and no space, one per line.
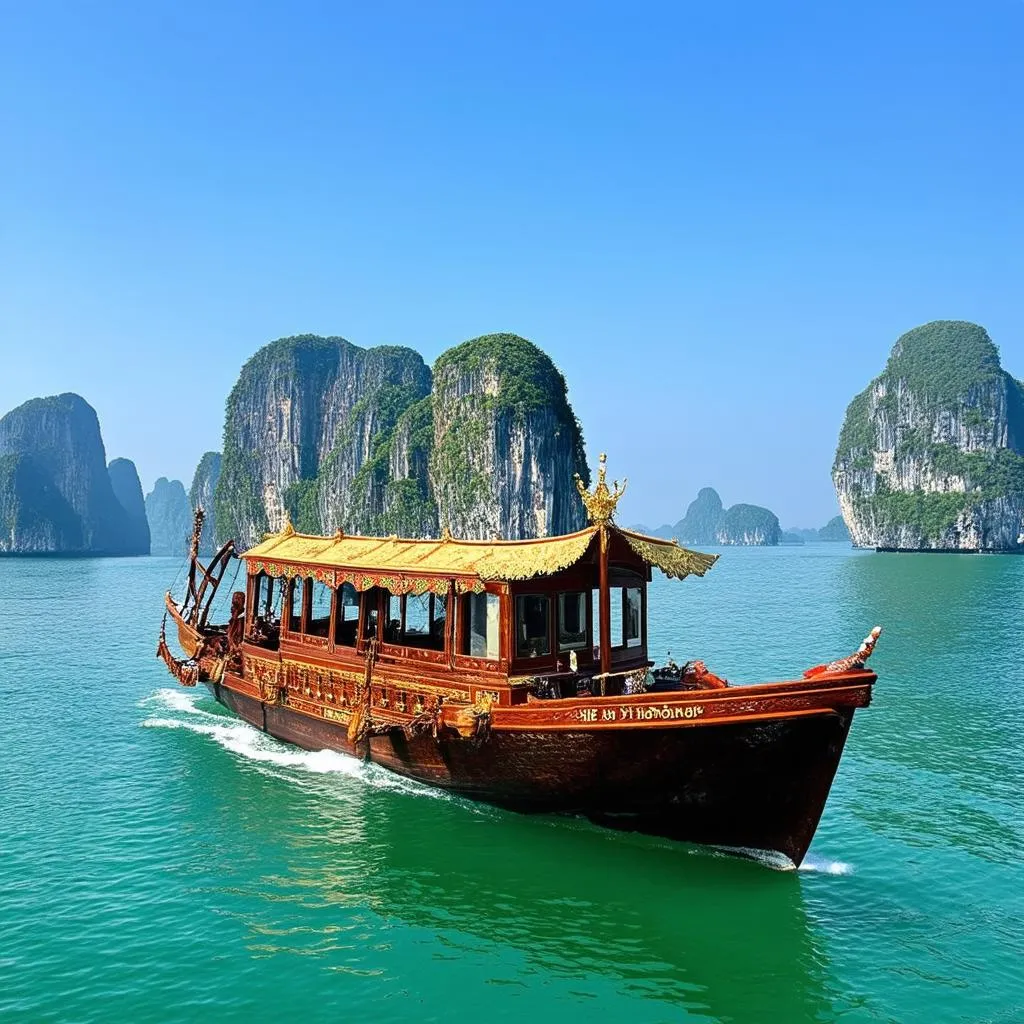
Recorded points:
532,622
295,604
615,615
393,623
346,616
370,599
633,608
416,620
417,615
481,640
572,621
320,617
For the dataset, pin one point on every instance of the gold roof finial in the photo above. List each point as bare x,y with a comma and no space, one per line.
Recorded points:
287,530
600,503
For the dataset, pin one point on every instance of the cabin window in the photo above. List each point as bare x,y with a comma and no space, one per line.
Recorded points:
614,618
263,597
533,617
295,605
632,613
572,621
320,609
371,600
481,625
346,616
416,620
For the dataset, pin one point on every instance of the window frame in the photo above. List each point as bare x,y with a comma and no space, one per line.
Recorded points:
585,640
518,654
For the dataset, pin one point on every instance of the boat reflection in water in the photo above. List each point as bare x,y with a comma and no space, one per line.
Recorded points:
517,673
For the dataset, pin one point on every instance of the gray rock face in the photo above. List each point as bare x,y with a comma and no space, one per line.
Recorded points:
308,429
931,454
201,494
357,439
124,479
35,519
57,494
506,442
170,518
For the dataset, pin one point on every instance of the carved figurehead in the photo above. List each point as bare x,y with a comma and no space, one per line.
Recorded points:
600,503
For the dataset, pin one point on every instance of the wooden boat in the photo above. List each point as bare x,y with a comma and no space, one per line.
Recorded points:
517,672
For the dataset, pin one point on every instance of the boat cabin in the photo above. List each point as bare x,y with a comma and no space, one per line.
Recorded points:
551,617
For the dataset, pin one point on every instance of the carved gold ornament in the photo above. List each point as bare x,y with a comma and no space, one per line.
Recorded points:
600,503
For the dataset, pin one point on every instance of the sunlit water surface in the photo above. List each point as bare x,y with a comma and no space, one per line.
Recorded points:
161,861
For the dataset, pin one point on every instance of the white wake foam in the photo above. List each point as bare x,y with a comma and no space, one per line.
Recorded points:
826,866
175,700
258,748
780,862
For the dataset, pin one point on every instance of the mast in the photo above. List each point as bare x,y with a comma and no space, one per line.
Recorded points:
605,604
600,505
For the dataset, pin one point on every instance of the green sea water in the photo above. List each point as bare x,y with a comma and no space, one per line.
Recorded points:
161,861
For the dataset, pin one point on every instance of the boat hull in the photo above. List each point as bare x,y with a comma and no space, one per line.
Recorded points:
752,784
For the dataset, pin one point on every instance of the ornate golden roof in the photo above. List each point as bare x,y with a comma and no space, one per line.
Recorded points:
667,555
465,559
484,560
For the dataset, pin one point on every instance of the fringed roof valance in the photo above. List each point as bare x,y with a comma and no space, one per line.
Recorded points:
416,566
668,556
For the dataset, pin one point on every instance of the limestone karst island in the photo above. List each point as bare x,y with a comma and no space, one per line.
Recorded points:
931,453
485,443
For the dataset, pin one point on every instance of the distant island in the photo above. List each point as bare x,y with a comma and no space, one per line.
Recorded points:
834,531
707,521
57,494
931,453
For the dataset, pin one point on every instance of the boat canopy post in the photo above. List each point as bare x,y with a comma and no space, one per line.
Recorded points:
605,603
600,505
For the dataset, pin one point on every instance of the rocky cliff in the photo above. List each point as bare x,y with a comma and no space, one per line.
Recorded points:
124,479
308,430
506,442
170,518
201,493
369,441
56,494
931,453
35,518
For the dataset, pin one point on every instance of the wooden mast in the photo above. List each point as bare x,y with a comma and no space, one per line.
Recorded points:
604,602
600,505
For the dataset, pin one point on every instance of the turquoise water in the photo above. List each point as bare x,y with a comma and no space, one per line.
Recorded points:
160,861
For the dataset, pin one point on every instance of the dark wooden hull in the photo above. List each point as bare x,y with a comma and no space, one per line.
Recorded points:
752,781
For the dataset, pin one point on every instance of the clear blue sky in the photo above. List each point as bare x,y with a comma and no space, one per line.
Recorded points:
715,217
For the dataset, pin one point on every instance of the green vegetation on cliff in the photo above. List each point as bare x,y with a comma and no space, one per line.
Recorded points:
940,361
526,378
506,441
